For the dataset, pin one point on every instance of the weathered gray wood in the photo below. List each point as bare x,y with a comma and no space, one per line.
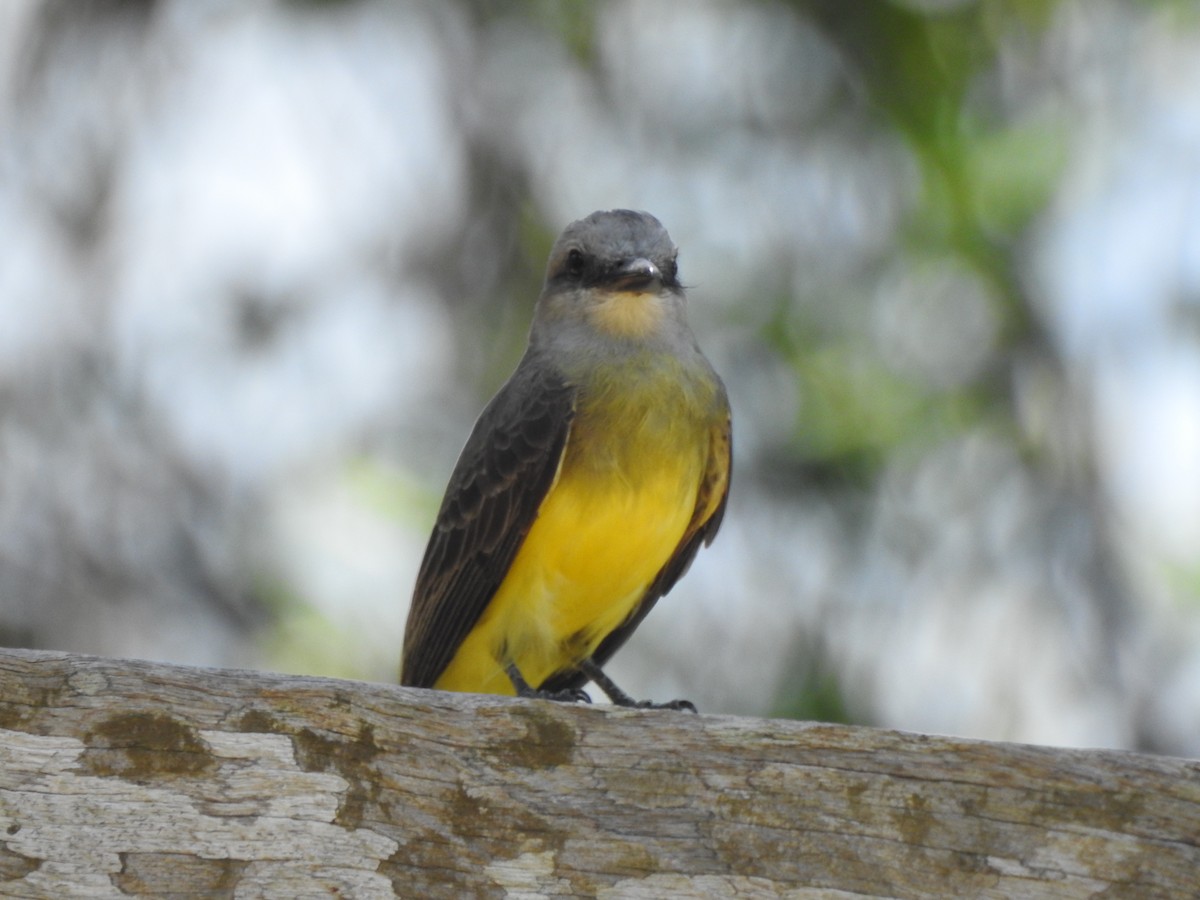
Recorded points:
120,777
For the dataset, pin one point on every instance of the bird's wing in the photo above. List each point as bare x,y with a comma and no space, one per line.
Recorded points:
505,470
706,519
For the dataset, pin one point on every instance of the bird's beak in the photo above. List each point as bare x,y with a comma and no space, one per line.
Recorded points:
637,275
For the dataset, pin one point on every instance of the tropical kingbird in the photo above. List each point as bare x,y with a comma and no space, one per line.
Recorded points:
587,485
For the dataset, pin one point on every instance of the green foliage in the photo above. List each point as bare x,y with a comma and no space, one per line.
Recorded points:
813,692
857,410
1010,173
984,173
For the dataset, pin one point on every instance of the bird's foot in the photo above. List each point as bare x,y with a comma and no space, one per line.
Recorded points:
681,705
567,695
527,692
620,698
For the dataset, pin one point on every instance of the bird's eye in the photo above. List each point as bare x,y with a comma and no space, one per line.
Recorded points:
671,270
574,264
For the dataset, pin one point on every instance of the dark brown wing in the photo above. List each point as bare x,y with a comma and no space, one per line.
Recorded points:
706,519
505,470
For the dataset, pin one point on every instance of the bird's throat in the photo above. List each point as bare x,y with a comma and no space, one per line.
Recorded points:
627,314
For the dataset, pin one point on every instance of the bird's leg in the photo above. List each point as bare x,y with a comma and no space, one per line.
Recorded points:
523,689
619,698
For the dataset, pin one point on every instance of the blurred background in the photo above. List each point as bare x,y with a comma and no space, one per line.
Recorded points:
262,263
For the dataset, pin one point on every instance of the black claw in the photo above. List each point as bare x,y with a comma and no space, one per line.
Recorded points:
620,698
569,695
681,705
523,689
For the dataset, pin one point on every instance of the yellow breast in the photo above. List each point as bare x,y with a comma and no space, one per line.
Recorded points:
623,499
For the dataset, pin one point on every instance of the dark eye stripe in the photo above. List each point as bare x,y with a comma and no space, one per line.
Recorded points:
575,262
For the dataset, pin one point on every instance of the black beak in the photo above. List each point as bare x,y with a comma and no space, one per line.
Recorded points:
636,275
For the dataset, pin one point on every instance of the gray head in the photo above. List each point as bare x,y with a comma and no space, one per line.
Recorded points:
618,249
611,279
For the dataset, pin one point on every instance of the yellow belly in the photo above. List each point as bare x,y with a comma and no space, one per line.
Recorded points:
600,538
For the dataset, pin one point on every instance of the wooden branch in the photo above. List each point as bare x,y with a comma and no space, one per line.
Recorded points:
121,777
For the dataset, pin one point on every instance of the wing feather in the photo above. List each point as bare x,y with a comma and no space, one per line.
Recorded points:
504,472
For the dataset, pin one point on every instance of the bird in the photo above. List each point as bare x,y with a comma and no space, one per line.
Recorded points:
587,485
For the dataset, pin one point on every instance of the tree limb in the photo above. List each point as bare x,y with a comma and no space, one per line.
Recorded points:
123,777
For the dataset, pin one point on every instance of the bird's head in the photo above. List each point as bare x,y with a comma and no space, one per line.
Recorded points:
614,272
